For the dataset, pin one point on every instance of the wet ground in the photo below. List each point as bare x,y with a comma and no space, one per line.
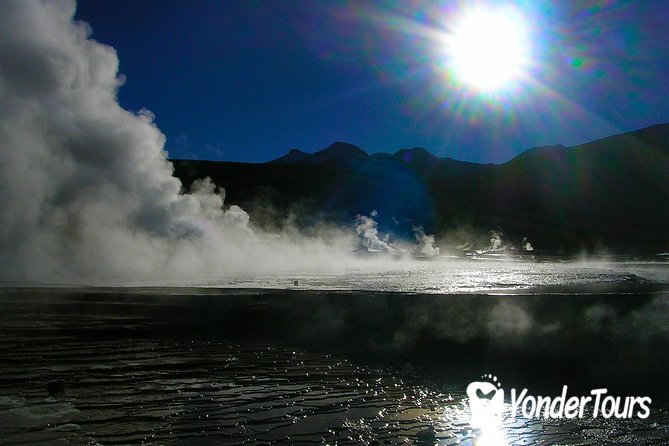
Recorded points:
246,367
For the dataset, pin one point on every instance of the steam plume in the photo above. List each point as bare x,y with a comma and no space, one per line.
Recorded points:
370,238
86,190
85,186
426,244
526,245
495,241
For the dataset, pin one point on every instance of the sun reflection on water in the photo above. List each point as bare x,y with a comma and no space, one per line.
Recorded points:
491,432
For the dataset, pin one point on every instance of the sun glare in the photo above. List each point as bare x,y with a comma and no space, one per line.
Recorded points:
488,49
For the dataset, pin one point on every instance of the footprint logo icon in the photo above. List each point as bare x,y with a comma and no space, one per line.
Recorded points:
486,402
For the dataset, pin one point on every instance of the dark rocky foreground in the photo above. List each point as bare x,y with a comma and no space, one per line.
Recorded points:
111,366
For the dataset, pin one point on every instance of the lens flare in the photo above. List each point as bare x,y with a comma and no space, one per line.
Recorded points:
488,49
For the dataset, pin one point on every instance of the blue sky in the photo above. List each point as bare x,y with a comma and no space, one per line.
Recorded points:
249,80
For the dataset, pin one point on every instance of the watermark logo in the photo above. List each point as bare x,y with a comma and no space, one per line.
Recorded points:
486,401
487,406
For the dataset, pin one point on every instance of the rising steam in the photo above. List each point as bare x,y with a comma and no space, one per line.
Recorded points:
426,243
496,243
526,245
86,188
370,239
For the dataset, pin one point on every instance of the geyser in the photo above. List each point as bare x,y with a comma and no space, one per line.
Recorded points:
86,190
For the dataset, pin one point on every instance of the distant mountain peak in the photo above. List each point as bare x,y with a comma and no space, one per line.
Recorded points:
344,148
337,153
415,155
345,155
294,156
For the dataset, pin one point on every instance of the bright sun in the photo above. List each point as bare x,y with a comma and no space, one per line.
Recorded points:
488,49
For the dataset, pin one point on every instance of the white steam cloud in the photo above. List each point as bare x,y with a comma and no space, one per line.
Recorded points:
370,238
86,190
426,243
85,186
526,245
495,241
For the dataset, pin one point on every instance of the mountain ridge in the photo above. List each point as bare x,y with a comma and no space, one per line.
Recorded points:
337,149
611,191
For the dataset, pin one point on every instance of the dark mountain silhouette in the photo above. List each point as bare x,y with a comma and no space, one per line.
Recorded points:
425,163
418,160
295,156
612,192
337,154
